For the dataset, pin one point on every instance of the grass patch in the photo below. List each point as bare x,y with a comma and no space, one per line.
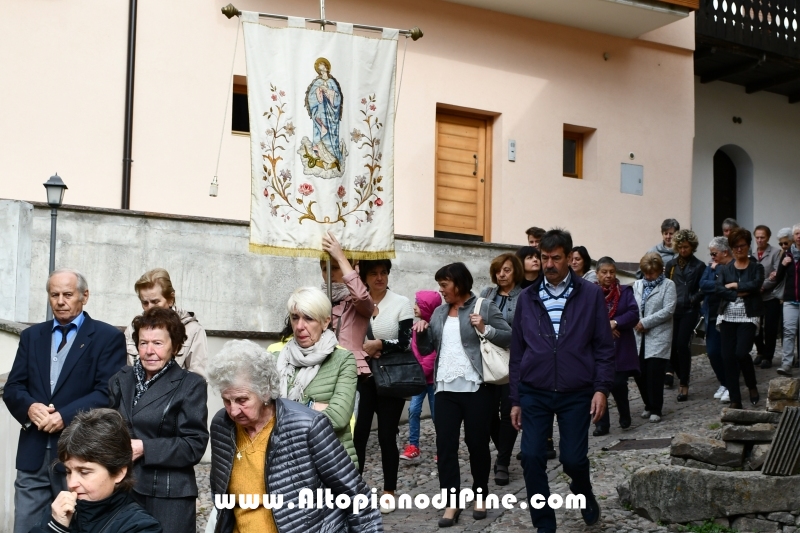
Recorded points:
715,425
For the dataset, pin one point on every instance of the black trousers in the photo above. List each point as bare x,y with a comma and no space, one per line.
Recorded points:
651,383
174,514
681,358
388,410
737,339
767,337
475,410
503,434
620,392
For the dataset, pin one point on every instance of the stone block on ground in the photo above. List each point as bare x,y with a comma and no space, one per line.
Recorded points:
778,406
783,518
706,450
754,525
754,433
757,456
744,416
692,463
679,494
783,389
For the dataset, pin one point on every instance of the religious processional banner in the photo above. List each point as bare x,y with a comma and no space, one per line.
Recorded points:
321,139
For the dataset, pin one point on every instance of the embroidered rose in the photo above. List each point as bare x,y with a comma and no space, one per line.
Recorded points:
372,107
378,202
341,192
266,192
274,97
305,189
282,93
363,101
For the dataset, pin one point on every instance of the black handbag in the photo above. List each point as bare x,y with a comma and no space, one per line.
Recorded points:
397,375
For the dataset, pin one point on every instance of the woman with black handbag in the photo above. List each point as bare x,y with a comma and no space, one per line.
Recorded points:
389,332
461,394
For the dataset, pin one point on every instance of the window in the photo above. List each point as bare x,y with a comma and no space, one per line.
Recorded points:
240,117
573,154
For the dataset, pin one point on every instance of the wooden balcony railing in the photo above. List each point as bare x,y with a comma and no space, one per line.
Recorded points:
765,25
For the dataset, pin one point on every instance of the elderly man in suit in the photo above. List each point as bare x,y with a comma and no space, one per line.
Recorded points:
61,367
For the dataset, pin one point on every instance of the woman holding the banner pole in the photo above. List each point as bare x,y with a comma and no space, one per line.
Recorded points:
352,304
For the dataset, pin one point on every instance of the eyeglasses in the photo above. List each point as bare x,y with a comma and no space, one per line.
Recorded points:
713,254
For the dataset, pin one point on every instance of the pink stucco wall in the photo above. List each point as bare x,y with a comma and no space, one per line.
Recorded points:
63,111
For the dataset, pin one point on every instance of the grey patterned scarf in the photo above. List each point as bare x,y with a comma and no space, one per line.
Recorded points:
650,285
142,383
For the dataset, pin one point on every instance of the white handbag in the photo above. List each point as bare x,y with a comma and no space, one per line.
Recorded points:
495,359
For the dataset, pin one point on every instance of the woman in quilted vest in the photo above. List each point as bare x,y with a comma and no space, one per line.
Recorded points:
262,444
313,369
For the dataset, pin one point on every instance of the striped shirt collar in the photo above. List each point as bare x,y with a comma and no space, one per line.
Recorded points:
558,289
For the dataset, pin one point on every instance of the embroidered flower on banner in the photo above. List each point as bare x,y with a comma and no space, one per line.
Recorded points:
305,189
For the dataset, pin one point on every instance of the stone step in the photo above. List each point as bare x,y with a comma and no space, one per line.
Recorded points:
755,433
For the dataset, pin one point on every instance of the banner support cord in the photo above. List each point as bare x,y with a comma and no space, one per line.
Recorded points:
214,184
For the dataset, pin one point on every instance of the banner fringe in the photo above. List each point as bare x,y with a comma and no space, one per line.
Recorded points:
357,255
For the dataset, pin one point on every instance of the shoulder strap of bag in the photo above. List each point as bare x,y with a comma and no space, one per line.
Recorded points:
370,334
477,311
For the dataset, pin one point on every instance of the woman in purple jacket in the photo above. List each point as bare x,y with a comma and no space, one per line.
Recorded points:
623,314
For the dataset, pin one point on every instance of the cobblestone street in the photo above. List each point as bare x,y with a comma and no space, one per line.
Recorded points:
699,415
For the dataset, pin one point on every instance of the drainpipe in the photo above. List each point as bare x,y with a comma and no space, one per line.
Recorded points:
128,140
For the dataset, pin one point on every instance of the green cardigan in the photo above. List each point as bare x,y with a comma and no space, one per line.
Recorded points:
334,384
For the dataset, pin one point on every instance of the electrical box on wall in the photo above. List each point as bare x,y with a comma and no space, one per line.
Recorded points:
512,150
632,181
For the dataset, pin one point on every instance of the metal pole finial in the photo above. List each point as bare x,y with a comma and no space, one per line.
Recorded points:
230,11
416,33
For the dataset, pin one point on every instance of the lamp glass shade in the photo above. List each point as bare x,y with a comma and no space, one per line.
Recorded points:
55,191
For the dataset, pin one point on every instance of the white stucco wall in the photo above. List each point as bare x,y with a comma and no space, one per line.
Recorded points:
767,140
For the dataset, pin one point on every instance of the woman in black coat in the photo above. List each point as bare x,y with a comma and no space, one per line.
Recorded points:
739,288
685,270
96,452
165,409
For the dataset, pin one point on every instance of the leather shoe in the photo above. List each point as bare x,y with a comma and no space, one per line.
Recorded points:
758,360
501,474
448,522
591,515
754,398
624,423
766,363
683,397
478,515
599,432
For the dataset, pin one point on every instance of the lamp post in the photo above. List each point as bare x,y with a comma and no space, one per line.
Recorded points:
55,197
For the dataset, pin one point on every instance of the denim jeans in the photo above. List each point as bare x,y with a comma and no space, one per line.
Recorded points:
791,318
572,410
415,410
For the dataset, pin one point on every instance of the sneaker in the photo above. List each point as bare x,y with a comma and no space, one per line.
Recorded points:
411,453
785,370
654,419
726,397
645,414
720,391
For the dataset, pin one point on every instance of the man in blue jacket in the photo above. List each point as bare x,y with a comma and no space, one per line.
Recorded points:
61,367
562,364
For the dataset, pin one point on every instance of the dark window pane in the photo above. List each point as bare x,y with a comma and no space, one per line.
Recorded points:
240,119
570,149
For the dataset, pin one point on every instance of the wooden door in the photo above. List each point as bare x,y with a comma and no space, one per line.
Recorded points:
461,176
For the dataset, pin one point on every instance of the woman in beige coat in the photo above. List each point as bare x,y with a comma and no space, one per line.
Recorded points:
155,289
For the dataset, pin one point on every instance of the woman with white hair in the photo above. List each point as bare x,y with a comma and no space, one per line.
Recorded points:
313,370
304,452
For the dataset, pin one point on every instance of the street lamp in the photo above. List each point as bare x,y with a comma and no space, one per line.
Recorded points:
55,197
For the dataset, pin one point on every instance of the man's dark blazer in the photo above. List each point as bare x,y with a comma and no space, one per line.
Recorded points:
97,353
171,419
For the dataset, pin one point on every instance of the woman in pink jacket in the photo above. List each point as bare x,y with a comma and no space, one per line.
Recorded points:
426,302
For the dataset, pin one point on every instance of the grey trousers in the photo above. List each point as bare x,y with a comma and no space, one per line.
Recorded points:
791,320
35,491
